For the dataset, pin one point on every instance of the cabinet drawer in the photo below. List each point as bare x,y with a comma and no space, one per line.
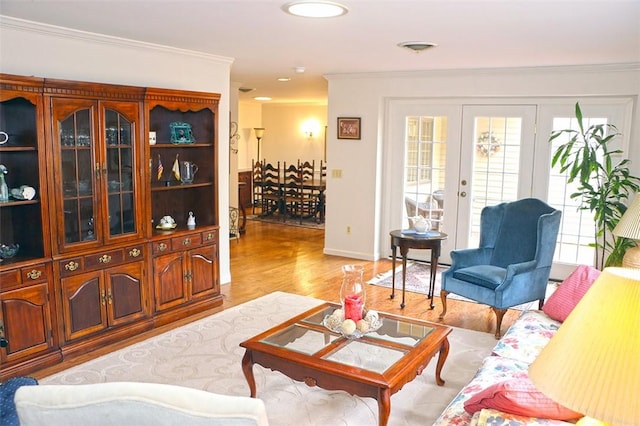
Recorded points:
34,274
9,278
186,241
134,253
210,236
161,246
71,266
107,258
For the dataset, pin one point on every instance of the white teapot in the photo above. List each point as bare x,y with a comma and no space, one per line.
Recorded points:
420,224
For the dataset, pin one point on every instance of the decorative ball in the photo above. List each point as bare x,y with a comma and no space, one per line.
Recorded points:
362,326
348,326
334,322
371,317
338,313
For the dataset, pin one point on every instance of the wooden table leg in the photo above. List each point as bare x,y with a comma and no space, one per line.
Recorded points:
247,369
384,406
393,271
444,352
432,278
403,252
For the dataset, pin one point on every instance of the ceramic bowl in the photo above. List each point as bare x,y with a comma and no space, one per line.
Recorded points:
8,251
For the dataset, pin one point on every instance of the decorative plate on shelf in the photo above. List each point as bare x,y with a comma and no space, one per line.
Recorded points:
181,133
167,227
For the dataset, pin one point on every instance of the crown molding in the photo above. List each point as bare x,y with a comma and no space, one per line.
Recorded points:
559,69
16,24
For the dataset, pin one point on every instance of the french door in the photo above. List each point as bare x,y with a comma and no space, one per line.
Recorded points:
456,159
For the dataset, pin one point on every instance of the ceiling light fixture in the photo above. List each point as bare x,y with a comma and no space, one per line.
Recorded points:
262,98
284,79
315,9
246,89
417,46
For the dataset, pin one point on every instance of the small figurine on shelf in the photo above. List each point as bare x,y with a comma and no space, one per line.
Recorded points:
4,189
191,221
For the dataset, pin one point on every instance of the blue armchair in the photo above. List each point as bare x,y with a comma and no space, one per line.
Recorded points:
513,262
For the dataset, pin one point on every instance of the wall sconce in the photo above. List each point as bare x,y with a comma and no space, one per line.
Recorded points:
310,128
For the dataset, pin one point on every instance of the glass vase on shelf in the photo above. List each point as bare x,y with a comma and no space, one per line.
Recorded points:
4,189
352,292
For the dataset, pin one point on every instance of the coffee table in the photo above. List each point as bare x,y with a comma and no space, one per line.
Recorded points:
376,365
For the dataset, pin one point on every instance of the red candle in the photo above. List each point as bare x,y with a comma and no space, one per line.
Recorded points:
353,307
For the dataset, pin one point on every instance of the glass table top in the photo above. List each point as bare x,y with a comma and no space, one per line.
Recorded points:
376,351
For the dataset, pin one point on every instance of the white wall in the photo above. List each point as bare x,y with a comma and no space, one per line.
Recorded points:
284,138
354,200
29,48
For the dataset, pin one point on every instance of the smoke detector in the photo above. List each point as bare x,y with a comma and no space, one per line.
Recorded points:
417,46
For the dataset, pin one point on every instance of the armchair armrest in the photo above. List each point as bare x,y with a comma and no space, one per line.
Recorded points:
519,268
469,257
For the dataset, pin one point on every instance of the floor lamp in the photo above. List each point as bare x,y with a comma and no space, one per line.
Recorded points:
259,134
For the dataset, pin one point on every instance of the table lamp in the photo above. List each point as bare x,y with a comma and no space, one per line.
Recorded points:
592,364
629,227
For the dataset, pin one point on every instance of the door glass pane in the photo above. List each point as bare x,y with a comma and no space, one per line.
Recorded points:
77,176
118,135
577,226
424,168
496,160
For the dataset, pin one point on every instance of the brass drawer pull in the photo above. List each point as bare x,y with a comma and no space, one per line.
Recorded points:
35,274
135,252
72,266
186,241
209,236
162,247
105,258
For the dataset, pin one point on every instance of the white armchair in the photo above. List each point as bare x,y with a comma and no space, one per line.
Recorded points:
128,403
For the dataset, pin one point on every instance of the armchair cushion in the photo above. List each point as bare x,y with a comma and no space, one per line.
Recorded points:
487,276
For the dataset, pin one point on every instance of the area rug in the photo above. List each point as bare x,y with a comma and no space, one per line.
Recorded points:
417,281
206,355
289,221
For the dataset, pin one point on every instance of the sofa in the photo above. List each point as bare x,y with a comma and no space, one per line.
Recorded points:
500,393
131,403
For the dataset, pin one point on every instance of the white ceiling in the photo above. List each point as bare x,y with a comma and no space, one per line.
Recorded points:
267,43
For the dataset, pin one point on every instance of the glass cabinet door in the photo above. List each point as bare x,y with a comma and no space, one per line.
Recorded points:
119,133
77,145
96,171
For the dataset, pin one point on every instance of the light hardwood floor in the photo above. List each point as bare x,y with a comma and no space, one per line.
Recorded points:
272,257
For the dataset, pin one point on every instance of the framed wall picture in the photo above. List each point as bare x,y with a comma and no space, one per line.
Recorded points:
348,127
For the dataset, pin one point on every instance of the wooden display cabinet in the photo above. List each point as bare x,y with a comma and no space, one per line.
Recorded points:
27,315
84,276
185,264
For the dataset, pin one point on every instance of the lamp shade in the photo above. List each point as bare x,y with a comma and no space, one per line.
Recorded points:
629,224
592,364
259,132
629,227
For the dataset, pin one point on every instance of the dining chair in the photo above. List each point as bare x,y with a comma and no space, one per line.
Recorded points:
270,188
291,190
511,266
308,197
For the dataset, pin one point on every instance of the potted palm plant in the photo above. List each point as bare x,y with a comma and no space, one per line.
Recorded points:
604,182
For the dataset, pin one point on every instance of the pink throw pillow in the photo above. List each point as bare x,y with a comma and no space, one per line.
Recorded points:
569,293
521,397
